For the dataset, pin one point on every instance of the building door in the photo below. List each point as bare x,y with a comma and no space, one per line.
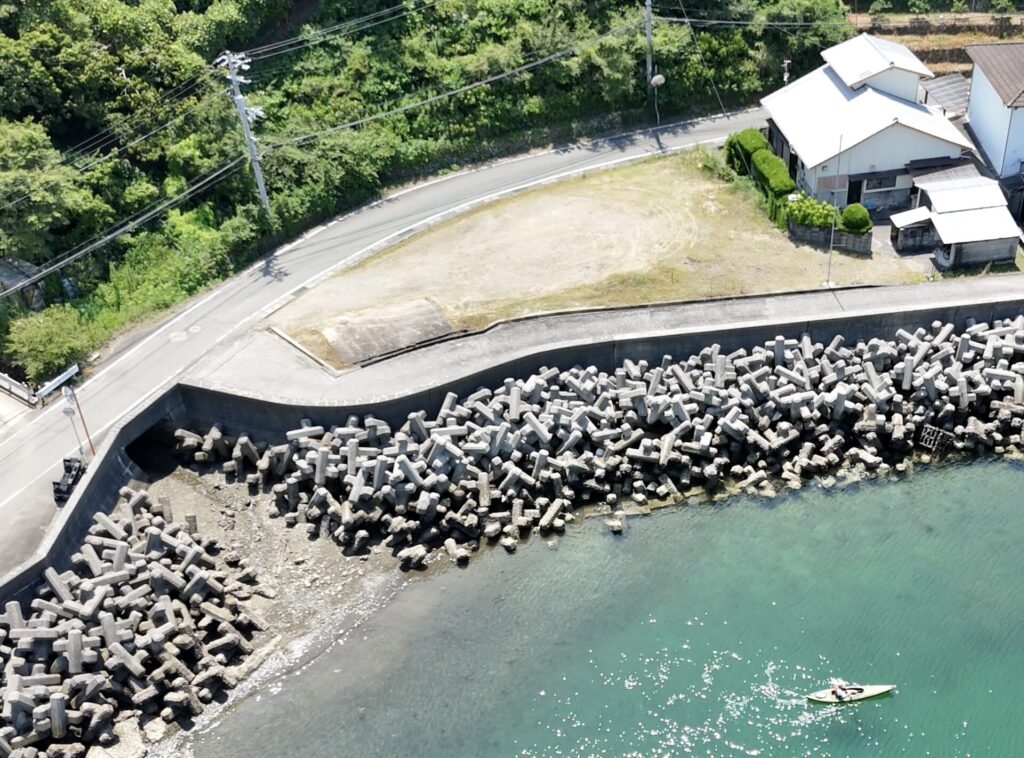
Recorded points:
853,191
792,163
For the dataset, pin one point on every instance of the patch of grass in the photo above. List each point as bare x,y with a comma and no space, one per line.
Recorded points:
670,228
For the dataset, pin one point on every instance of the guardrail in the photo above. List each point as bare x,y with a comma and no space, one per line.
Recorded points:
27,395
14,388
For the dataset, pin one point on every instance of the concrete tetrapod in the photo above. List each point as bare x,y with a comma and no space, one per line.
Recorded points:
521,456
143,624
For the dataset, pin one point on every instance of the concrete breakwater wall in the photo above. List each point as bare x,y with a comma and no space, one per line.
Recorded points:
522,454
145,623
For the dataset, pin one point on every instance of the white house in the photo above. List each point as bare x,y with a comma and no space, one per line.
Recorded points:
852,130
995,111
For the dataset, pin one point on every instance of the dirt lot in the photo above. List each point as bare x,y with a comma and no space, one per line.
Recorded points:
657,230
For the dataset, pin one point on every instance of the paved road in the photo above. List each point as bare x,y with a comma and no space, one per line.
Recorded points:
33,445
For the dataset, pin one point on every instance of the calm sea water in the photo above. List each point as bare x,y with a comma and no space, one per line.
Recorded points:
697,632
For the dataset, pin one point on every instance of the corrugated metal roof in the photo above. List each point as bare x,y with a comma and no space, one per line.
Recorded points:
951,198
864,56
977,225
1003,66
950,92
816,109
913,216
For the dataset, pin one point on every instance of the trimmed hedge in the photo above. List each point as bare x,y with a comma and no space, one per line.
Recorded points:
740,148
771,174
772,177
856,219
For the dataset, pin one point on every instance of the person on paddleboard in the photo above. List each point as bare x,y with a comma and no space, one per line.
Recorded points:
839,689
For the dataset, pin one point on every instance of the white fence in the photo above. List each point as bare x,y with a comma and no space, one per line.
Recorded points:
23,392
14,388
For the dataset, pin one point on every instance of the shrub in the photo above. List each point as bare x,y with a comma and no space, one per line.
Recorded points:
47,342
919,6
807,211
740,148
711,163
878,7
856,219
771,174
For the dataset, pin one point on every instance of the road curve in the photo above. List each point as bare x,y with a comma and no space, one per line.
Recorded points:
33,445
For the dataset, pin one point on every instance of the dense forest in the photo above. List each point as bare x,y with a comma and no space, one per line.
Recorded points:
109,108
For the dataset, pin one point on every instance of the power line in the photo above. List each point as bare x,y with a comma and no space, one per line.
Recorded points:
451,93
753,22
150,212
703,61
344,28
119,151
99,140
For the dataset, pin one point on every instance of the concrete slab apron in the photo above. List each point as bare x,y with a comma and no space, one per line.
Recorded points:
246,367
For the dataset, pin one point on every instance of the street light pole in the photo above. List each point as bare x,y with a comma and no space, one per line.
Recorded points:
70,413
835,212
70,397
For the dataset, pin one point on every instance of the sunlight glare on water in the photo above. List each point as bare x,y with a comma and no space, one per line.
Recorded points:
698,632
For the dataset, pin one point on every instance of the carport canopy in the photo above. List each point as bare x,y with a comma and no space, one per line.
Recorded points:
911,217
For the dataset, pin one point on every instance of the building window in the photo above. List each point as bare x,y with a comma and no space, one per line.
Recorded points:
879,183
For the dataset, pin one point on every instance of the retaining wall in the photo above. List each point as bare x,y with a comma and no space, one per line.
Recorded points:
97,490
195,406
855,243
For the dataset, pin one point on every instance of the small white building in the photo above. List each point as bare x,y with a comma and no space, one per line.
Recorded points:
960,216
995,112
851,130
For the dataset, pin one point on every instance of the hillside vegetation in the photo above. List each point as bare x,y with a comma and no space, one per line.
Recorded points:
136,73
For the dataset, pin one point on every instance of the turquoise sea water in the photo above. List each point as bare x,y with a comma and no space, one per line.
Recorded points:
697,632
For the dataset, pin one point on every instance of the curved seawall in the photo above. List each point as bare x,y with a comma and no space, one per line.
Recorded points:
421,379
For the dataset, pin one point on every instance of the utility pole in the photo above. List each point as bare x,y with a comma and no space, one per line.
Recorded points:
233,63
835,212
649,28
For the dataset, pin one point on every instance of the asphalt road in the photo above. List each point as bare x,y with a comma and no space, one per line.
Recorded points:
34,444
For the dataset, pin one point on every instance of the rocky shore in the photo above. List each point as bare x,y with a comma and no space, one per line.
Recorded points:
146,623
152,616
522,456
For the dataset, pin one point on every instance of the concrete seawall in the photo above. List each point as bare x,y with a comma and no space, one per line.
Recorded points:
201,402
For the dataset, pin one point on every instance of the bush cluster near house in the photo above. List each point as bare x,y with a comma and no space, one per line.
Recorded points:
817,214
124,68
748,152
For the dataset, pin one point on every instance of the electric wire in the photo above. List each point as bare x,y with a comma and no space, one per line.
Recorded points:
115,153
100,140
450,93
141,217
344,28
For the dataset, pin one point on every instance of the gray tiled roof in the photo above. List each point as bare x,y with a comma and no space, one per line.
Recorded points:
1003,66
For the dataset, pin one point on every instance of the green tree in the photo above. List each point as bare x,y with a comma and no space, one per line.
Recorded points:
43,199
47,342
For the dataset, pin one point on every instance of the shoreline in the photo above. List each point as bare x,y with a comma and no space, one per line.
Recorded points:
501,463
309,646
262,681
